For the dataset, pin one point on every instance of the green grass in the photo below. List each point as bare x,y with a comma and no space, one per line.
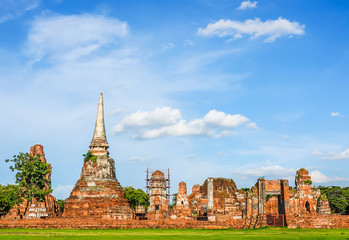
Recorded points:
153,234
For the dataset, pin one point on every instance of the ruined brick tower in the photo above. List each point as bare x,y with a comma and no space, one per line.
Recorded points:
158,207
98,193
181,210
34,209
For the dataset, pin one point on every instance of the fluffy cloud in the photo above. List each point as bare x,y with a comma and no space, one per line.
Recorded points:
247,4
158,117
271,29
77,35
337,156
214,123
318,177
217,118
336,114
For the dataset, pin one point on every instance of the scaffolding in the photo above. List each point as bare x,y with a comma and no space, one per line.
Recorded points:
150,183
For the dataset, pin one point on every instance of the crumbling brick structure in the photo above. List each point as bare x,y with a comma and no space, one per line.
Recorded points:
158,202
269,202
98,193
34,209
181,210
323,206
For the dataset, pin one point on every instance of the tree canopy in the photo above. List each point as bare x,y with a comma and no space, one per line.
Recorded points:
338,198
136,197
9,196
31,176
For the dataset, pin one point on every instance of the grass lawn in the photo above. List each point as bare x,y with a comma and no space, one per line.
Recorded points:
265,233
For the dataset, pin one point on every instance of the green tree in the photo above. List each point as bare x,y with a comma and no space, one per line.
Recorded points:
9,196
338,198
136,197
31,176
60,203
174,200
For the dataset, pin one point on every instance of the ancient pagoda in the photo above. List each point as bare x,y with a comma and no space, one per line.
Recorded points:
98,193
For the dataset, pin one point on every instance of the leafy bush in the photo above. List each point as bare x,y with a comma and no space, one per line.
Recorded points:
31,176
308,181
60,203
89,156
136,197
9,196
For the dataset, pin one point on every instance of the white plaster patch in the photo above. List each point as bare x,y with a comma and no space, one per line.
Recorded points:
91,184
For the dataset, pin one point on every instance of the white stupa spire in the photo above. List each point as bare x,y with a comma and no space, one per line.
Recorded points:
99,144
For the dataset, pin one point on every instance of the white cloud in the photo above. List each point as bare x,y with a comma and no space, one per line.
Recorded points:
217,118
318,177
317,153
73,35
182,128
271,29
168,45
188,42
214,124
14,9
337,156
247,4
158,117
336,114
252,125
275,170
224,133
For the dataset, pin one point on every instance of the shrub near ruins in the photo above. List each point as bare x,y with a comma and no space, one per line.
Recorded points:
9,196
136,197
31,176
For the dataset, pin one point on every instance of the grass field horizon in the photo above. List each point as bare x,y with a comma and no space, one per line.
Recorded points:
202,234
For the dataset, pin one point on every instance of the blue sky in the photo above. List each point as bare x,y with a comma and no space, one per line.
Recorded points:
237,89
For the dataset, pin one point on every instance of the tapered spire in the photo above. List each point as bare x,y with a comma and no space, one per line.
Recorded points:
99,144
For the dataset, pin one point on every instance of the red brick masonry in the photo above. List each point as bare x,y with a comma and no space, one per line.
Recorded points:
97,223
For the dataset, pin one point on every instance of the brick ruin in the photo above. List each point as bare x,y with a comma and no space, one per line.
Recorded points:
35,209
269,202
181,210
98,200
158,197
